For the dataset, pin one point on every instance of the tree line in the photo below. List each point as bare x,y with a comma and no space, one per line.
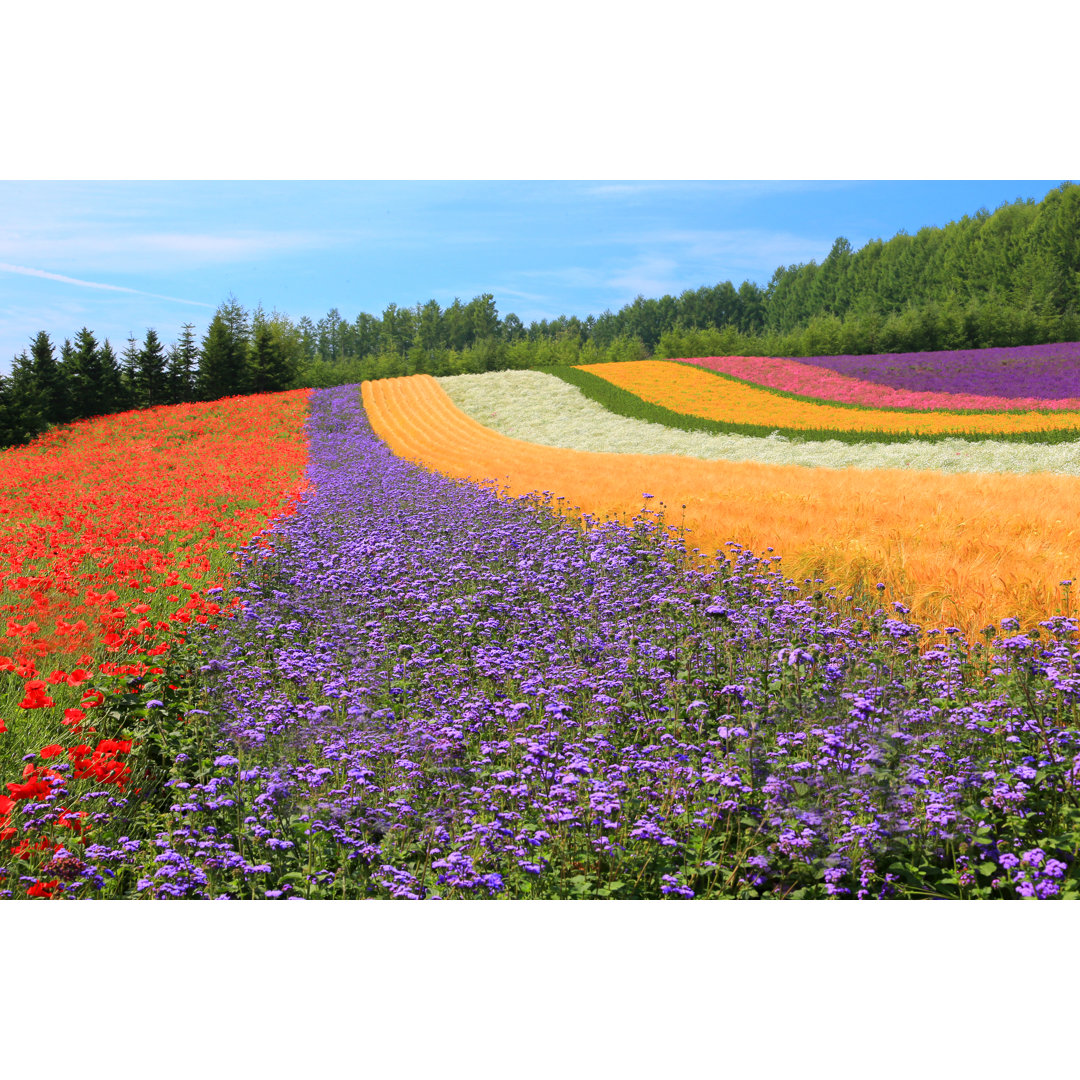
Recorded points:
239,354
1011,277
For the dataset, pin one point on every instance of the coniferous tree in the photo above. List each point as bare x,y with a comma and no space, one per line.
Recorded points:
7,414
180,373
67,379
270,371
49,379
26,401
150,381
236,319
222,365
114,392
129,373
89,393
309,337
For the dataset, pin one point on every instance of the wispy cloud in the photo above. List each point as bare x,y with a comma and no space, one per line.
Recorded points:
648,277
219,247
502,290
27,271
732,188
102,246
726,253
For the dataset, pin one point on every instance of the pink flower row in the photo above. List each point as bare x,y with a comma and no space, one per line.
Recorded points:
778,374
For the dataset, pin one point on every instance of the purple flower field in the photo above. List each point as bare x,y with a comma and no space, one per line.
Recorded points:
434,692
1038,371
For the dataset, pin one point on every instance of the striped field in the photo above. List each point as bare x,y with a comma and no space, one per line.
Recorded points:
962,549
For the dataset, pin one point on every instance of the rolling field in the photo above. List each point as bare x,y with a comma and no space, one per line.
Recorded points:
359,643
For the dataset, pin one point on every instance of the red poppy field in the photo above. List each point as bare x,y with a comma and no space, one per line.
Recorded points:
104,564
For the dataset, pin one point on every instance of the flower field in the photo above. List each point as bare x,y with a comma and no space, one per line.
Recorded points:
688,388
1043,372
463,663
963,550
114,537
540,408
815,379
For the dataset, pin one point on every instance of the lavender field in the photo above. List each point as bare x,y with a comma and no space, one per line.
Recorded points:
1038,371
436,692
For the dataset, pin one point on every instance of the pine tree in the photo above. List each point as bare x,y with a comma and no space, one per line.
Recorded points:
49,379
67,379
7,414
150,380
88,390
271,370
222,366
26,401
180,374
114,392
129,372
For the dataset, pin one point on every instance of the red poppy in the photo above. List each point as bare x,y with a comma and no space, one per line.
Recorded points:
44,889
33,789
36,698
72,718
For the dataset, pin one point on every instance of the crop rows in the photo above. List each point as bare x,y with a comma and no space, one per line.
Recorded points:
712,395
963,550
1046,372
540,408
807,381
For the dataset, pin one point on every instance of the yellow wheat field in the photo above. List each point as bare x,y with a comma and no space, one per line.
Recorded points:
687,389
962,550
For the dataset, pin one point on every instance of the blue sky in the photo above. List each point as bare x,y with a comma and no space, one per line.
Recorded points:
119,257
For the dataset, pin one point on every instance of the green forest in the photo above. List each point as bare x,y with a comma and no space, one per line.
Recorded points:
1001,278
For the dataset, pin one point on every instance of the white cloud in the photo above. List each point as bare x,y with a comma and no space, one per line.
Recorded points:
651,276
502,290
735,247
101,246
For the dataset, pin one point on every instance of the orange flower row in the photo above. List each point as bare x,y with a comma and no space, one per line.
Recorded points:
684,388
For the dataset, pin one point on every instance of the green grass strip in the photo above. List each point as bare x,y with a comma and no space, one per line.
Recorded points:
623,403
